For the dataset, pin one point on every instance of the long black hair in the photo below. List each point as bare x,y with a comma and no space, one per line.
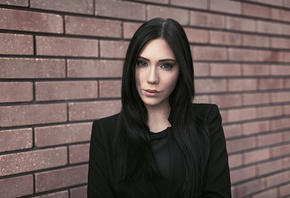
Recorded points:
134,156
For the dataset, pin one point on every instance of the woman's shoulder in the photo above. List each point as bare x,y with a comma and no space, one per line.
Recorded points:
205,109
106,124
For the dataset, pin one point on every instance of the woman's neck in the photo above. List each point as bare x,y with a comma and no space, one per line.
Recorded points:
158,118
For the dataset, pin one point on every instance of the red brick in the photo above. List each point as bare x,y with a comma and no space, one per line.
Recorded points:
282,70
287,3
269,111
199,4
269,139
284,190
284,56
78,192
66,90
62,194
281,43
245,84
267,194
225,69
280,124
16,186
201,69
279,14
269,27
277,179
227,100
129,29
286,83
286,136
31,68
203,19
256,127
92,27
280,97
255,40
113,49
19,115
242,54
110,89
235,115
79,153
250,187
270,84
225,38
285,29
94,68
286,162
62,134
209,53
232,7
270,167
23,3
281,150
256,10
180,15
256,156
241,144
243,174
30,21
15,139
201,99
232,130
270,56
120,9
32,160
197,35
235,160
16,44
256,70
93,110
155,1
83,7
270,2
210,85
57,46
61,178
16,91
256,98
235,23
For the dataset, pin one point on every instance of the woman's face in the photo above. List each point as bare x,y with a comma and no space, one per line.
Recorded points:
156,73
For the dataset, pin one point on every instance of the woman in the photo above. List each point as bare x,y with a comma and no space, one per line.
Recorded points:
160,145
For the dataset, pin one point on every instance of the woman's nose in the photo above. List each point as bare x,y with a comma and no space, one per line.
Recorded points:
153,77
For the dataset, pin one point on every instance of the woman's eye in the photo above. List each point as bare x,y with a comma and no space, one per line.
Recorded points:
167,66
141,63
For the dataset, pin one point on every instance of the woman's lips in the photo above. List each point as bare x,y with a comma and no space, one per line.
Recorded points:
151,92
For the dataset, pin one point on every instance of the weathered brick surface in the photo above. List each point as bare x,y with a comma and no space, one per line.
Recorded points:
32,160
32,114
62,134
117,9
180,15
61,68
61,178
77,6
30,21
16,91
16,186
79,153
94,69
14,68
22,139
58,46
45,91
16,44
93,110
92,27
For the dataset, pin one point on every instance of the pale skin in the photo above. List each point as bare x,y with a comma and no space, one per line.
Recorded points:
157,73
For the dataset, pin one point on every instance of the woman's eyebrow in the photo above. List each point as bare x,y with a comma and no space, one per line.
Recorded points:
162,60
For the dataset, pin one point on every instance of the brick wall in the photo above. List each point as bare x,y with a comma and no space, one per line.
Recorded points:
60,68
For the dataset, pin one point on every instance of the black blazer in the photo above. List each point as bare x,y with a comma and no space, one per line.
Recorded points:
102,180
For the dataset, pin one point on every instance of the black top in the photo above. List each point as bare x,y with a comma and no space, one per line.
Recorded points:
103,181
